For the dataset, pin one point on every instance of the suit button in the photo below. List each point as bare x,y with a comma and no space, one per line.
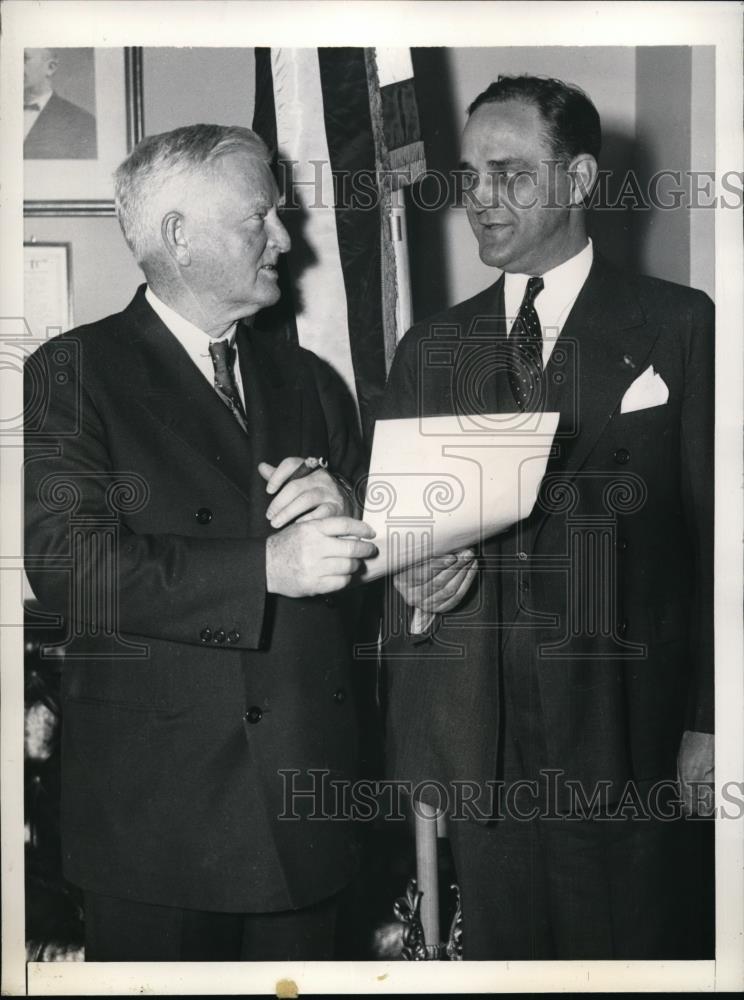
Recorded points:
524,586
622,544
622,627
521,556
204,515
219,636
233,636
253,715
622,456
339,696
205,635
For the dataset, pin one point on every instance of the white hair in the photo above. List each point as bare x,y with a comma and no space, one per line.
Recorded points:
156,161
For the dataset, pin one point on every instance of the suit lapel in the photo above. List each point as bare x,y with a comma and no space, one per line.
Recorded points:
176,394
603,347
273,398
479,383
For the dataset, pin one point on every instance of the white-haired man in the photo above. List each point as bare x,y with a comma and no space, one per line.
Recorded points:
206,659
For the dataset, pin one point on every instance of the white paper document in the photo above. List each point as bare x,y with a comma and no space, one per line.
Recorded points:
437,484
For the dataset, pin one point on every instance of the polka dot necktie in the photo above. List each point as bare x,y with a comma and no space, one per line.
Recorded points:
525,340
223,358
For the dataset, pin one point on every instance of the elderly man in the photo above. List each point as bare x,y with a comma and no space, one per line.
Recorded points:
54,128
584,636
168,521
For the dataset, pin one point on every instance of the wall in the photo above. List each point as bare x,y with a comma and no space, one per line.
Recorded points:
185,86
663,131
656,107
703,158
181,87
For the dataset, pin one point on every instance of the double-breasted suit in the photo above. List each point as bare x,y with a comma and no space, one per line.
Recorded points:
585,644
179,721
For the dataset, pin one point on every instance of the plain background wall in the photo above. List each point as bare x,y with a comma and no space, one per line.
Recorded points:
657,109
184,86
703,158
664,142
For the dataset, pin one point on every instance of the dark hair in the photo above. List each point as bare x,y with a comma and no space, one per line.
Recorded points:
570,119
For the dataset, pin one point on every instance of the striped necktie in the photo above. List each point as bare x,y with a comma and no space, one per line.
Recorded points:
223,358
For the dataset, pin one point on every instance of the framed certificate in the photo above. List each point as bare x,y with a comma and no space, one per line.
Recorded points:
47,288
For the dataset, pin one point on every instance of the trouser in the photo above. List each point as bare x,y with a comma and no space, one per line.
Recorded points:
120,930
572,887
585,888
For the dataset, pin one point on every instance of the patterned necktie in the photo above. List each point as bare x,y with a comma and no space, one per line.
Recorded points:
525,340
223,357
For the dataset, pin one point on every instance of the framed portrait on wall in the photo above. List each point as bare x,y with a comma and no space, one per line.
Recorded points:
47,288
82,114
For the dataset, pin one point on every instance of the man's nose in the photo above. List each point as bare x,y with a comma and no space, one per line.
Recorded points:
486,194
278,234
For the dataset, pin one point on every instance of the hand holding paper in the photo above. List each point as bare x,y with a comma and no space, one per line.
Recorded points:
439,584
440,484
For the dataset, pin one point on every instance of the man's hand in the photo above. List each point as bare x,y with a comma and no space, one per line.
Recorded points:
439,584
695,773
312,558
313,496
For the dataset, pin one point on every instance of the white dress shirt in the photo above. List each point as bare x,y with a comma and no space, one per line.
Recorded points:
562,286
195,341
29,117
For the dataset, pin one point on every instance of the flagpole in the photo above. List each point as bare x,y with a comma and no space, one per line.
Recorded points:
427,872
425,816
399,237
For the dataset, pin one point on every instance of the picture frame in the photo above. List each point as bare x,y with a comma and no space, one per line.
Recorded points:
47,286
83,187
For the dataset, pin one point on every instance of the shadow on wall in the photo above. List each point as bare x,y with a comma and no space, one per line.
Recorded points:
618,233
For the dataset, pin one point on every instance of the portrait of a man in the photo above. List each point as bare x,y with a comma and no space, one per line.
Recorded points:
56,128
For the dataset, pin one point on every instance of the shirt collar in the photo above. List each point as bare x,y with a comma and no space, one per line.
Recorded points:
563,282
194,339
42,101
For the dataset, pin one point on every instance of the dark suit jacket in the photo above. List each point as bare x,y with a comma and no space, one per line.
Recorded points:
63,131
171,782
609,703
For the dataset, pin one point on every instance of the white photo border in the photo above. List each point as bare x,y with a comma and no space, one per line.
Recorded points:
293,22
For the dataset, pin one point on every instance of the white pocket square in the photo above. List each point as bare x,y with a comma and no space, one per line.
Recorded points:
649,389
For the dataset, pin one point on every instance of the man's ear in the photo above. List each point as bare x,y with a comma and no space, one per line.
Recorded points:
174,238
583,171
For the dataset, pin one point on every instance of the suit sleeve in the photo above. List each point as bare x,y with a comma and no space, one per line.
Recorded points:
347,455
401,401
697,443
160,586
401,397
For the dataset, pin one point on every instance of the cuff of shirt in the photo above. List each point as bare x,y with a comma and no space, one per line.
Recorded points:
421,621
